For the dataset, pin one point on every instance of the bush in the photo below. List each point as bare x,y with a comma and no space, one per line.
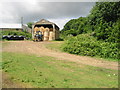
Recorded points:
87,45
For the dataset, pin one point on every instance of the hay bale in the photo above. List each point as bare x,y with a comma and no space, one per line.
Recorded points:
36,29
50,35
46,35
42,29
47,29
51,29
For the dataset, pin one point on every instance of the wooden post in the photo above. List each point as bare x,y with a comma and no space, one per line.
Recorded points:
32,32
53,31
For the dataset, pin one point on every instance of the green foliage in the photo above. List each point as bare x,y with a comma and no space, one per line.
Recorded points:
89,46
108,11
48,72
74,27
104,20
29,24
14,32
103,23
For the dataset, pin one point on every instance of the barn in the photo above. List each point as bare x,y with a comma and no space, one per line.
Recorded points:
49,30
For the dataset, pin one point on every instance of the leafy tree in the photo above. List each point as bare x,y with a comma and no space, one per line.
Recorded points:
75,24
29,24
103,20
100,32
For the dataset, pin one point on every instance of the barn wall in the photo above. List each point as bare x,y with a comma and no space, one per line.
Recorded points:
57,34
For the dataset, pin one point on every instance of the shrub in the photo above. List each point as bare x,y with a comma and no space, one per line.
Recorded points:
87,45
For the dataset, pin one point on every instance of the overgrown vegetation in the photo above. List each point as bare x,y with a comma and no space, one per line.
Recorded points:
47,72
15,32
87,45
103,24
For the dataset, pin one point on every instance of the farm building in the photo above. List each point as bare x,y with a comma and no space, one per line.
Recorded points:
9,31
50,30
15,27
26,28
11,27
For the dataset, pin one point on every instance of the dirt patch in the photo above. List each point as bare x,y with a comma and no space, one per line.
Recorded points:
39,49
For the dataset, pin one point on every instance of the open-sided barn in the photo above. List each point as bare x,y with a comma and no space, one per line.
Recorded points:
50,30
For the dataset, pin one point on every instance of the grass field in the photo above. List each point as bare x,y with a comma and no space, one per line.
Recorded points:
47,72
55,45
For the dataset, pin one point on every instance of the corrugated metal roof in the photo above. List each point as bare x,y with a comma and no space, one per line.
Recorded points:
10,26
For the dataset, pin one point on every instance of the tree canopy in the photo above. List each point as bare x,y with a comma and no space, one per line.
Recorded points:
103,20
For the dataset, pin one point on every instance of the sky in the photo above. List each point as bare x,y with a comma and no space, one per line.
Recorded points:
33,11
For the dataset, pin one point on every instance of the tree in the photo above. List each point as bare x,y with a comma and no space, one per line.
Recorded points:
29,24
103,20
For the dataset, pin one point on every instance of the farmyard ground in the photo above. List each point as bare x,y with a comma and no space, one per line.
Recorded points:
31,64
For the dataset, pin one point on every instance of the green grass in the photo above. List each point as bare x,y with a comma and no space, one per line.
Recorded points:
55,45
47,72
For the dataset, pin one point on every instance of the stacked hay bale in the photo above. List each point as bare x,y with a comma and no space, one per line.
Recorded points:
51,29
51,36
35,30
46,34
42,29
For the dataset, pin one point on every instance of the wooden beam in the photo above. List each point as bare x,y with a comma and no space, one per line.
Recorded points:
53,31
32,31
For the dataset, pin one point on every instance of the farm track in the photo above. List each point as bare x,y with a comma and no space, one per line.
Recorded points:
39,49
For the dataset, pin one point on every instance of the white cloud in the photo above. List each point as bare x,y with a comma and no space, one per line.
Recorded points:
33,10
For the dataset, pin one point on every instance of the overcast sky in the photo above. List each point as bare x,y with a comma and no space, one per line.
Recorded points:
57,12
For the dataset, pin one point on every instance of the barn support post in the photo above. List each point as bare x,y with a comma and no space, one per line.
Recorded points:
57,33
53,31
32,32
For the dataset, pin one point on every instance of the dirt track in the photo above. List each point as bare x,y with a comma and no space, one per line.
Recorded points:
39,49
